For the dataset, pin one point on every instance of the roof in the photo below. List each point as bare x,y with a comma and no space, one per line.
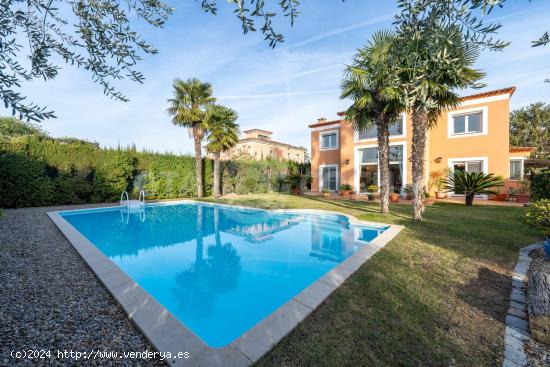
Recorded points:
271,142
325,123
491,93
521,149
258,130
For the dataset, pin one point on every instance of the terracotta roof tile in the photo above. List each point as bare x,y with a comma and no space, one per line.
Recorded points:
490,93
324,123
521,149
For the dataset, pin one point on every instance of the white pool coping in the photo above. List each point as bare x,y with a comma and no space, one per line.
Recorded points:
168,334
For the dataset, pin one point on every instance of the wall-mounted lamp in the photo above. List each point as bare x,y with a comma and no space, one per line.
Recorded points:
346,162
438,160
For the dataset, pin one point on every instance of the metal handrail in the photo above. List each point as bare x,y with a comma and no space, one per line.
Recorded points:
124,193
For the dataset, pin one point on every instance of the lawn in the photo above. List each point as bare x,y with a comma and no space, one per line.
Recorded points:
436,295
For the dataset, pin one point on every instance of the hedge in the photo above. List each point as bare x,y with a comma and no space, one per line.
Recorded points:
540,188
38,170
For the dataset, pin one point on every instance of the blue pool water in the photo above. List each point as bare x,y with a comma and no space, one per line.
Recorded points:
220,270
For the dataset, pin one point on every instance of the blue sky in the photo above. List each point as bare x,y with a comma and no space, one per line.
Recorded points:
282,89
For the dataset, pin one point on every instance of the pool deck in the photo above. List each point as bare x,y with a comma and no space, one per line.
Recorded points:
52,300
167,334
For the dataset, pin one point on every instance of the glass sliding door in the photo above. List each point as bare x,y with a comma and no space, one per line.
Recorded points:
369,170
468,166
329,178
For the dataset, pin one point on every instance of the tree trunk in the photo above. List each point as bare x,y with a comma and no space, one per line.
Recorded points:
198,161
469,198
420,130
217,191
384,162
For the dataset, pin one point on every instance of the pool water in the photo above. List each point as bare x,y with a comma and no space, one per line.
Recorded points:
220,270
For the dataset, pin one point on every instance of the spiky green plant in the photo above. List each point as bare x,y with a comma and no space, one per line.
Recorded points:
223,135
472,183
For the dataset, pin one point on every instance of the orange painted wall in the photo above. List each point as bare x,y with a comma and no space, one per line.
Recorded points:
494,145
440,147
320,157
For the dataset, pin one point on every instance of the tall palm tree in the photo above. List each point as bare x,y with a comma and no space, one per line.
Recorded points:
188,108
433,61
223,135
370,83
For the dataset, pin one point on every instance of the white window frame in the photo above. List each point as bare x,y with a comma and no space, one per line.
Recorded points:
329,132
403,121
522,170
484,123
357,165
321,176
485,168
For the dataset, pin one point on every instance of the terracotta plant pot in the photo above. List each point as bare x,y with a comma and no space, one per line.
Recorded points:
498,197
394,197
522,198
440,195
352,196
344,193
326,194
295,190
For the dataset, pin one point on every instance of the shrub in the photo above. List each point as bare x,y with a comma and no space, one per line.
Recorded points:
540,188
538,215
472,183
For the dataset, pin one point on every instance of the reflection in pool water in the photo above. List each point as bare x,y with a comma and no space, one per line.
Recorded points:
221,270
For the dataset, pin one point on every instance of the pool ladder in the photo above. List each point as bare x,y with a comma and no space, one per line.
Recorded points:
132,206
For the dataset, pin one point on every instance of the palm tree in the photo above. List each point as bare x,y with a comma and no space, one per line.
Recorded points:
369,82
188,108
433,60
223,135
472,184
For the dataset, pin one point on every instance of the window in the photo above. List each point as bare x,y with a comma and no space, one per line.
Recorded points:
470,123
368,173
329,140
516,169
468,166
263,137
395,129
329,179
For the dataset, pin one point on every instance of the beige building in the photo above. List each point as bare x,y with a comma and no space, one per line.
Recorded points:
257,144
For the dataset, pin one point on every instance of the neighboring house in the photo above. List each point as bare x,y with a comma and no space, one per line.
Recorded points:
473,137
257,143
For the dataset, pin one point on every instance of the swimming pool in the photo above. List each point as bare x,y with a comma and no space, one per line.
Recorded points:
219,269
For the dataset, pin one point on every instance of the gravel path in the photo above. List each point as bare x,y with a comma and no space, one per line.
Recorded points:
51,300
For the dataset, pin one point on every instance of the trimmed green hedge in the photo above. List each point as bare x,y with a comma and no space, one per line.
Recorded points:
38,170
540,188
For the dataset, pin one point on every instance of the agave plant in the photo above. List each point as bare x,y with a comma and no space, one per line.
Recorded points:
472,183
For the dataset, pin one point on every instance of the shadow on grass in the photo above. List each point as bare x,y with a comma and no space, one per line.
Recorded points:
488,292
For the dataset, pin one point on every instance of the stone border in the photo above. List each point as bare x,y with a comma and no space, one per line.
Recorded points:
517,325
168,334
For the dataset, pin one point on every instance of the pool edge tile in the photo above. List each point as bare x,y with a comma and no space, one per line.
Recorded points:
167,334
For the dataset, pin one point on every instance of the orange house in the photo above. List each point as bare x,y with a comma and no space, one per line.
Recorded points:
473,137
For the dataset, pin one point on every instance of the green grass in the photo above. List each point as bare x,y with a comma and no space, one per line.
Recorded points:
436,295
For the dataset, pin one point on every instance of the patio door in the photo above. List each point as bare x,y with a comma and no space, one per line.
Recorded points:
468,166
329,178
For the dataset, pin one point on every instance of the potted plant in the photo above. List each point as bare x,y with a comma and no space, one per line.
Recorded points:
472,184
326,192
372,191
538,215
408,192
522,194
394,197
345,189
440,189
